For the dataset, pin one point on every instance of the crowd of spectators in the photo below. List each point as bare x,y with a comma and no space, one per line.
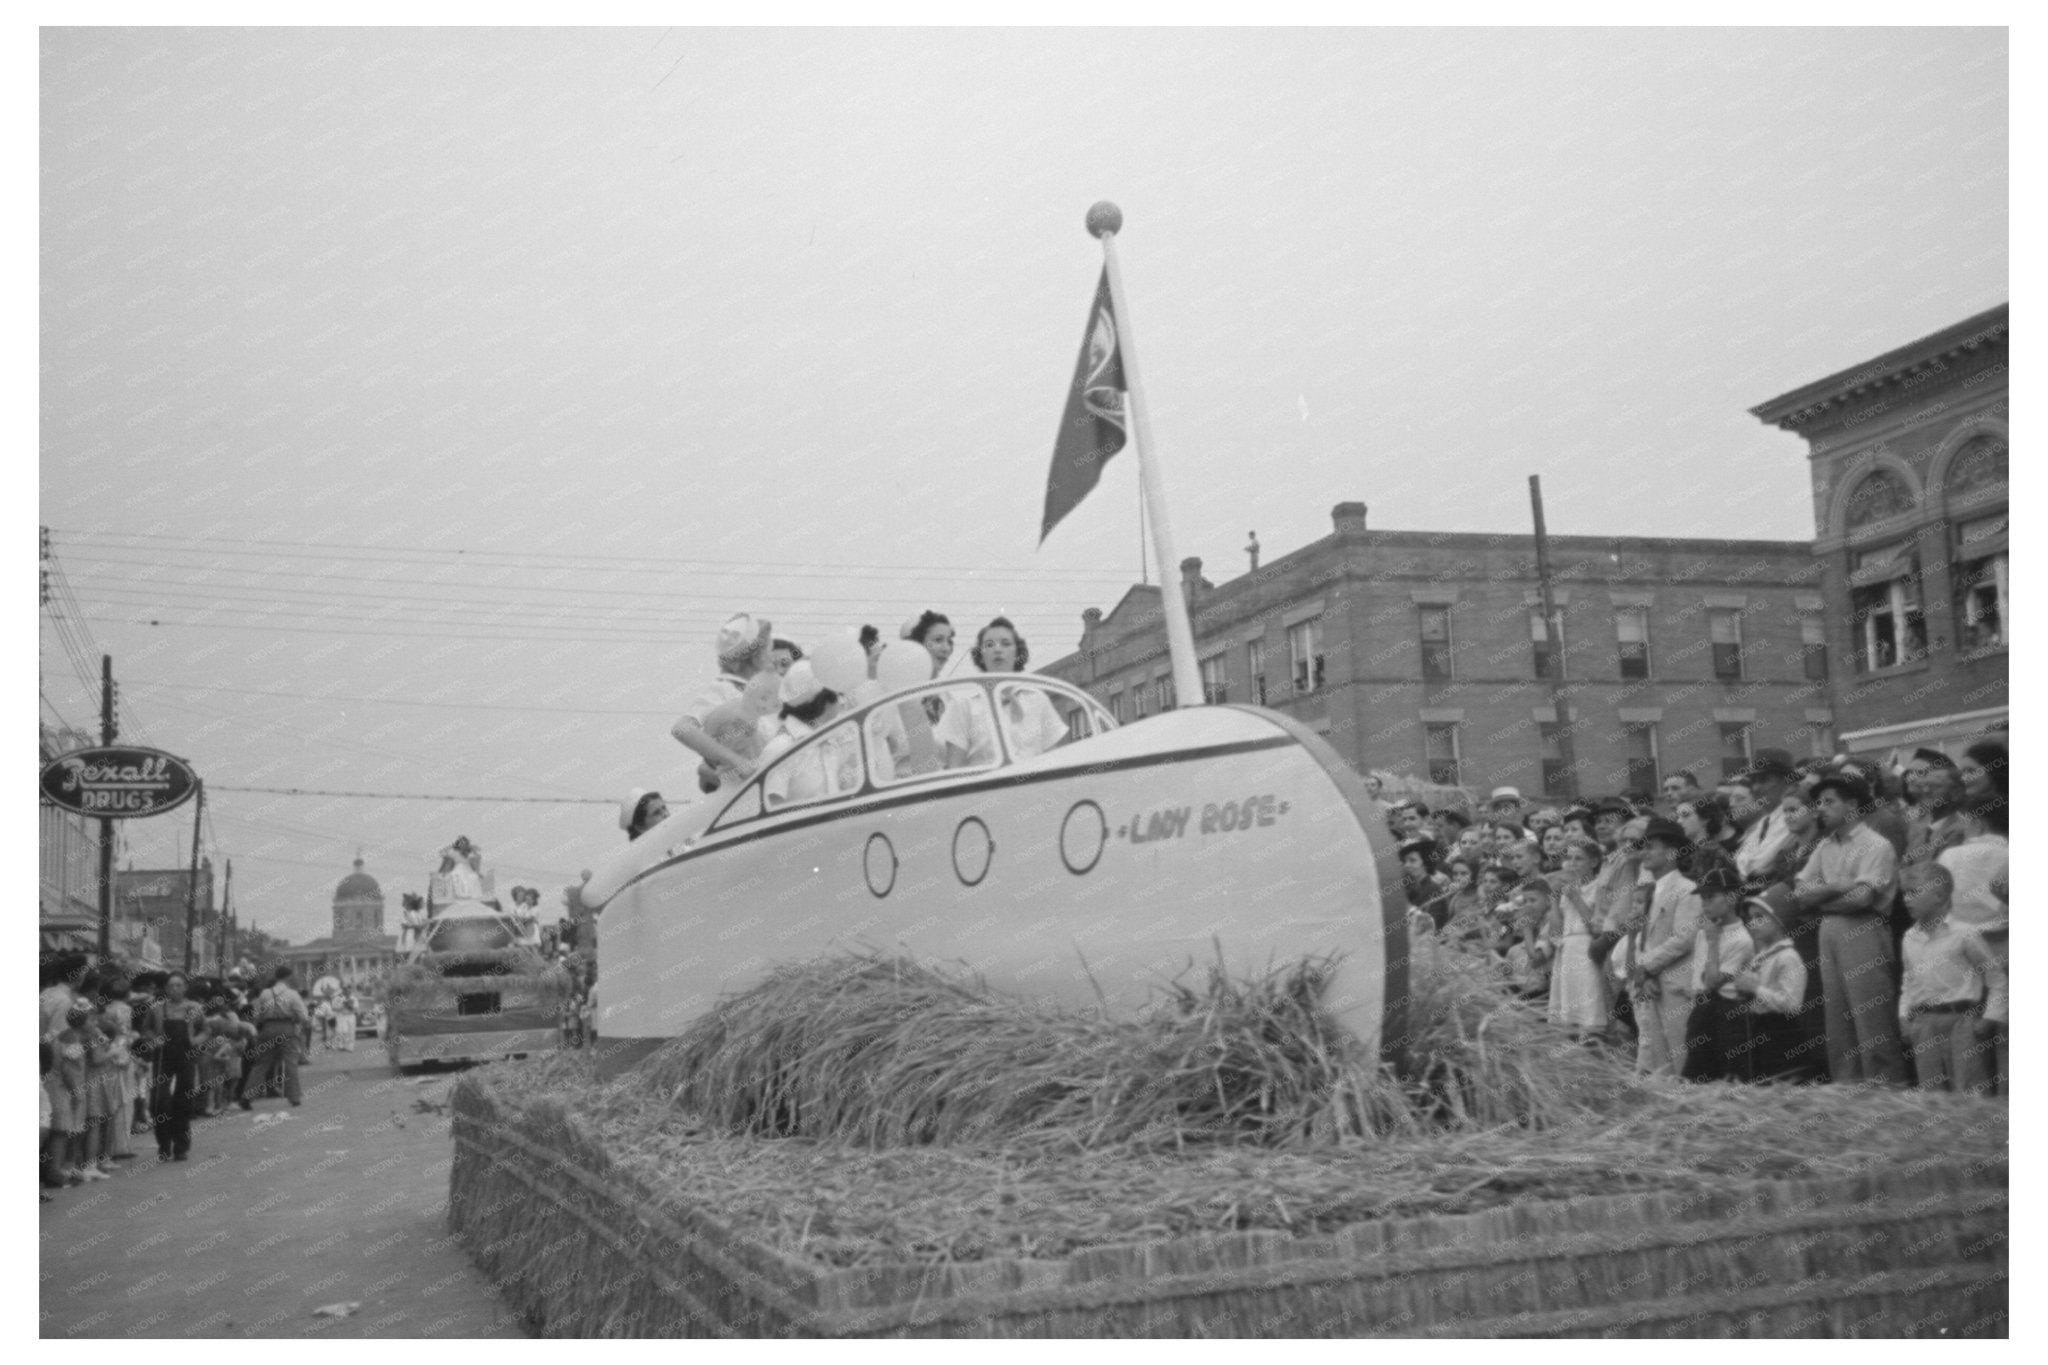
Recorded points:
128,1055
1826,919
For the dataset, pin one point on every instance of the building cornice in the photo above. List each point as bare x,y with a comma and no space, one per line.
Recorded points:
1904,367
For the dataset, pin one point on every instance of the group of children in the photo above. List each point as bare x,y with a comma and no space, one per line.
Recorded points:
128,1057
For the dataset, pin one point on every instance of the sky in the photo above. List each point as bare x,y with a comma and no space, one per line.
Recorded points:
414,404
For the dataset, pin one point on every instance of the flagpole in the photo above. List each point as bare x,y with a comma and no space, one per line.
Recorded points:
1105,220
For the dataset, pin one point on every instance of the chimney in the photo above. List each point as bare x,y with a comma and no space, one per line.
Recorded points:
1090,619
1253,550
1349,518
1190,580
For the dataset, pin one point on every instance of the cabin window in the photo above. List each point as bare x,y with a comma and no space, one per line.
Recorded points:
821,767
745,806
1032,718
963,734
908,739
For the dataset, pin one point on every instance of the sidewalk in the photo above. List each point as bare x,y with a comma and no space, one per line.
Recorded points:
279,1212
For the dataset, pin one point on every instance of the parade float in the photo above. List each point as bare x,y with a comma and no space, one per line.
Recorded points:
1122,1034
471,989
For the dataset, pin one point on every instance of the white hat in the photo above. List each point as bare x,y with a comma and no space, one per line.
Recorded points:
741,633
800,684
629,806
1503,794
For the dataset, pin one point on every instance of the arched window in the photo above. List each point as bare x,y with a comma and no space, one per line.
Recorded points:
1980,464
1880,496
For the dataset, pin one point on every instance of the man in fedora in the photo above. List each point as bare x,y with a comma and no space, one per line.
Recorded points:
1770,773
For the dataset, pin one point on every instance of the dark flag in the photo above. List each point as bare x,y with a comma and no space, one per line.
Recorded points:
1092,427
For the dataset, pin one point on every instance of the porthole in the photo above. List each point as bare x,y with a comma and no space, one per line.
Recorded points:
973,851
879,862
1082,836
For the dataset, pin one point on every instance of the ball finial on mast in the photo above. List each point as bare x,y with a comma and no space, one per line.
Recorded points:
1105,218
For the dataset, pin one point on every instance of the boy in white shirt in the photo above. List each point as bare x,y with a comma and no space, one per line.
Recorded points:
1952,1002
1774,985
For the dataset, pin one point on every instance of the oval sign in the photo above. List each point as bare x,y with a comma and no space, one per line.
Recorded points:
120,782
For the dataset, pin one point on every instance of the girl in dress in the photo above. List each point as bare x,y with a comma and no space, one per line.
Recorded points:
69,1098
1578,988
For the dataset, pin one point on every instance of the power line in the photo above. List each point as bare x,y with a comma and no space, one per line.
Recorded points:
438,591
408,701
410,554
427,796
512,638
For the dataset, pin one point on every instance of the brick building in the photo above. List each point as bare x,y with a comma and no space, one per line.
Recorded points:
1421,653
1908,454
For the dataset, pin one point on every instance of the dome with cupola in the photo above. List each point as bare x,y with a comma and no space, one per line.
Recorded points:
358,906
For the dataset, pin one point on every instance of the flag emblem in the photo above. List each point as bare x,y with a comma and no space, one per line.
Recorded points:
1092,428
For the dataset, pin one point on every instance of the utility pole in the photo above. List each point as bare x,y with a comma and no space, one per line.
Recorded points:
192,878
227,891
1566,750
108,731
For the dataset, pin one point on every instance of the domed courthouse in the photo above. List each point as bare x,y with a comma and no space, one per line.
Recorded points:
359,952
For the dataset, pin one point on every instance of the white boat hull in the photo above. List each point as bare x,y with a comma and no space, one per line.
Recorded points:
1099,871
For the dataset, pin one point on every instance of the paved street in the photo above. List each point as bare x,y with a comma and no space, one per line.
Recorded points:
279,1213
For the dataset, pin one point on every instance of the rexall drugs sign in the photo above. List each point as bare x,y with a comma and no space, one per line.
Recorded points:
119,782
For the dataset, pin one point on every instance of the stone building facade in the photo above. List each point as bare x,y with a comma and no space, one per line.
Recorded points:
1420,654
359,953
1909,464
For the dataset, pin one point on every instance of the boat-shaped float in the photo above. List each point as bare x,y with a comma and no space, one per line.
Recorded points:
472,991
1076,861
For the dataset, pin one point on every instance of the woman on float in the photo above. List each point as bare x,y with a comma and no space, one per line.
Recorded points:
935,633
1033,724
807,704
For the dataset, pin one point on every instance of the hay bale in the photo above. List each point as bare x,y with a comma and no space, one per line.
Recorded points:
886,1051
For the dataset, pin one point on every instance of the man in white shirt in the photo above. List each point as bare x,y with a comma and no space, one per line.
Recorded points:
1849,880
1661,981
1770,772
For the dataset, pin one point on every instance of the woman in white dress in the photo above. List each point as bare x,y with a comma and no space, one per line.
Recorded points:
1030,720
827,769
1579,996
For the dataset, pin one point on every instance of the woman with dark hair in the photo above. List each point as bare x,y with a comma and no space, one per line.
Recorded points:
1428,889
1713,835
806,705
640,812
1983,770
1034,726
935,633
784,653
